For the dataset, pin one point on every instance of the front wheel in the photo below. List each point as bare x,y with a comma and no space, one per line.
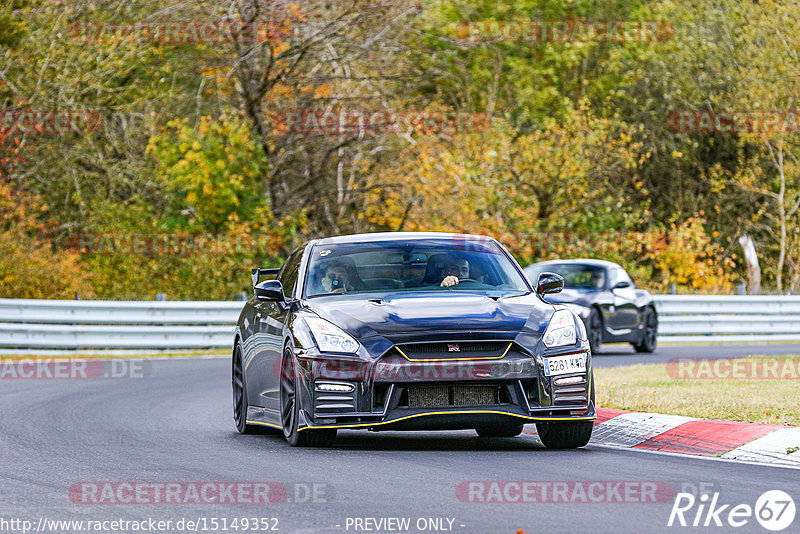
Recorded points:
239,394
497,431
565,435
649,336
594,331
290,411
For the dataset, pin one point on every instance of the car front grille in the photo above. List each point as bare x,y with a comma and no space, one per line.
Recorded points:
467,395
428,396
454,349
452,395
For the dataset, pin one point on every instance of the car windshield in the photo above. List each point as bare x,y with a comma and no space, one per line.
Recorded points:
412,266
576,276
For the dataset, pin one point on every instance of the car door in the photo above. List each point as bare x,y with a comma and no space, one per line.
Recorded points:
626,313
269,322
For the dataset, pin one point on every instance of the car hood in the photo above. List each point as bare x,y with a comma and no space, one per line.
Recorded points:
413,313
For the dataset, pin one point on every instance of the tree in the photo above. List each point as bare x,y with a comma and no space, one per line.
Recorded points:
328,56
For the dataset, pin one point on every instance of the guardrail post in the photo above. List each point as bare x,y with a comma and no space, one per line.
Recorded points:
742,288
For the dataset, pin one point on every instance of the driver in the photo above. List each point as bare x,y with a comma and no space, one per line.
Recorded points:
454,271
598,279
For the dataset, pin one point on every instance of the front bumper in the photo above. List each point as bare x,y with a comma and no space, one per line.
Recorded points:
394,392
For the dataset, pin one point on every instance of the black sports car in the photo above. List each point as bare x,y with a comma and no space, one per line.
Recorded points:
607,300
409,331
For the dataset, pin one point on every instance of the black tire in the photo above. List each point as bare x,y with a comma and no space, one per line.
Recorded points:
565,435
239,388
650,334
594,331
290,411
498,431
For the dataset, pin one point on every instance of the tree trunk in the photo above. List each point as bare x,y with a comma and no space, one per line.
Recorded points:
753,268
782,219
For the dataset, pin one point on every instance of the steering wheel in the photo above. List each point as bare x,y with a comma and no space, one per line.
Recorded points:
466,280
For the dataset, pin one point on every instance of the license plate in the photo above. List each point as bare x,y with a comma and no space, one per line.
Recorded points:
562,365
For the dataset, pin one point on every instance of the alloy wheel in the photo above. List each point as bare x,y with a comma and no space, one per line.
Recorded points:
288,395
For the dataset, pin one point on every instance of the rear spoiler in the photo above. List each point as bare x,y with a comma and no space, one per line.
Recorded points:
257,273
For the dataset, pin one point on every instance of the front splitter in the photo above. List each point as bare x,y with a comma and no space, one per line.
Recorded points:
457,419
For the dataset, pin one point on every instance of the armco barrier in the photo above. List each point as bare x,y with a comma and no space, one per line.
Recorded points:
81,324
727,318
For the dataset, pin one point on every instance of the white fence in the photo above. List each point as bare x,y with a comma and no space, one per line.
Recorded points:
80,324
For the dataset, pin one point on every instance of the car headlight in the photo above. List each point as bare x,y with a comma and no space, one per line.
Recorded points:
581,329
329,337
561,331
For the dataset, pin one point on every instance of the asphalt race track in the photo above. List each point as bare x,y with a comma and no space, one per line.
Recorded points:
174,425
623,354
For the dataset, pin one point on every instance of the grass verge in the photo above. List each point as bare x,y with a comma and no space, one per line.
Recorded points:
729,395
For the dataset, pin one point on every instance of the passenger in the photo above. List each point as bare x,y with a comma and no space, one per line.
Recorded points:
341,276
336,278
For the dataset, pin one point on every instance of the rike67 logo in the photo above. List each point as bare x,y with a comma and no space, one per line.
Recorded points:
774,510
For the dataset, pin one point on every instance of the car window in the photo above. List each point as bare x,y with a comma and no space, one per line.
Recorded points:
419,265
289,273
613,276
576,276
622,276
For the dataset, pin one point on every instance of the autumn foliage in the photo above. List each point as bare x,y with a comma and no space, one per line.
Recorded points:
574,156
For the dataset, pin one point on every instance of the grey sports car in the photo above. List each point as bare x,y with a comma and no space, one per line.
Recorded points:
607,300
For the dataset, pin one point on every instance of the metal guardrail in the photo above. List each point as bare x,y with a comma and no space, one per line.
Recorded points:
80,324
83,324
728,319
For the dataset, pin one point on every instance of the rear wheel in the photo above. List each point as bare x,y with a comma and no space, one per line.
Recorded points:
290,411
498,431
649,336
595,331
565,435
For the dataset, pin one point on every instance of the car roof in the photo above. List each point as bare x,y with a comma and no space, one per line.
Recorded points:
396,236
579,261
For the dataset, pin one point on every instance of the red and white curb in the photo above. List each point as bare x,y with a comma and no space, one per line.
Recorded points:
748,442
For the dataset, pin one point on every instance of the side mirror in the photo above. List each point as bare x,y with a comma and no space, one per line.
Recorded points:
621,285
270,290
549,283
